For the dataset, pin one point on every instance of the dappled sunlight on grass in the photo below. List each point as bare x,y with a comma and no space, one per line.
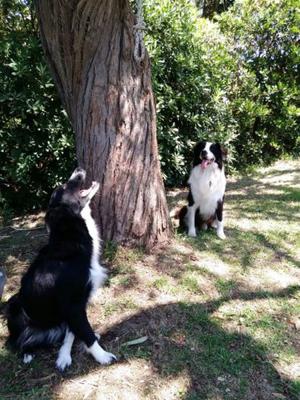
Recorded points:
219,316
132,380
279,278
216,267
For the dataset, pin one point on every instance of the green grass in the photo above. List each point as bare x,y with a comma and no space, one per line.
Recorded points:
225,287
218,314
190,283
121,305
23,383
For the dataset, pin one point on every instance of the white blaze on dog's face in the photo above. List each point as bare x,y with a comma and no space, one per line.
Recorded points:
207,157
72,194
207,154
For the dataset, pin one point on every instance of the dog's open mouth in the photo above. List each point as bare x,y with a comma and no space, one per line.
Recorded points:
205,162
90,192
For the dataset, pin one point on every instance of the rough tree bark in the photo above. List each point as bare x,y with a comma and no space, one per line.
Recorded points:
89,46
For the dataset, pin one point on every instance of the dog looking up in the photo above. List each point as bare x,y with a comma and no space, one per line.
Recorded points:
52,301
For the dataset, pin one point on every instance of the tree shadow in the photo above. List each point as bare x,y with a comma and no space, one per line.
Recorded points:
272,205
186,337
18,248
244,246
251,187
183,338
250,181
280,172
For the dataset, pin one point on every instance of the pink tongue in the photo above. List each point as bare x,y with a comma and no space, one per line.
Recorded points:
204,164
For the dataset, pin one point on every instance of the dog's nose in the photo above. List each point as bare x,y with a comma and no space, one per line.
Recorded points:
78,175
79,170
203,153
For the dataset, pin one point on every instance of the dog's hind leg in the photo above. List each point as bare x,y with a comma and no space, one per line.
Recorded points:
27,358
64,358
214,224
27,352
81,328
204,226
33,337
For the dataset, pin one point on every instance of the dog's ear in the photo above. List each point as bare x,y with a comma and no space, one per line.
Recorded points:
197,150
56,196
224,152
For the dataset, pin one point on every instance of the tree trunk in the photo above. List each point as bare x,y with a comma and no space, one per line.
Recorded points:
108,96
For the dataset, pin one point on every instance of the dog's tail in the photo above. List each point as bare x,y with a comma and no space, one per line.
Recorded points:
180,214
33,337
23,334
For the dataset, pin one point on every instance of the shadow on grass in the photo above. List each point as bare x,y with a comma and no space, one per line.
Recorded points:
20,246
184,338
242,247
270,205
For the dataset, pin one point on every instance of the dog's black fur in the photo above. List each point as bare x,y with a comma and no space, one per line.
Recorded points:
206,184
56,288
217,149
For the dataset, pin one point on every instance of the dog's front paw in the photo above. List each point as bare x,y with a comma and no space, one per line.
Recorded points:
192,233
100,355
63,361
106,358
221,235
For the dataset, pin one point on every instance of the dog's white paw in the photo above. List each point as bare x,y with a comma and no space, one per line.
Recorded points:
27,358
98,336
63,361
221,235
106,358
192,233
214,224
100,355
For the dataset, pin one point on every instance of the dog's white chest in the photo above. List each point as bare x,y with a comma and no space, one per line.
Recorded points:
207,187
97,272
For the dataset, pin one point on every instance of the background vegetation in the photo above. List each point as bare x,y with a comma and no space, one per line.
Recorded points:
224,71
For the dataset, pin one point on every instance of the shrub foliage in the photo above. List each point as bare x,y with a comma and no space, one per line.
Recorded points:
36,144
231,78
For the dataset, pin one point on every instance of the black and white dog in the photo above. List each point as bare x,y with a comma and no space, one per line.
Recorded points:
52,301
207,188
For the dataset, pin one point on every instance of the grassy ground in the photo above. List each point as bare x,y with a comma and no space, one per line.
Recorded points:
221,317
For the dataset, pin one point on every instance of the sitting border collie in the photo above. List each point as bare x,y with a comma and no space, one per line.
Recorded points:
207,188
52,301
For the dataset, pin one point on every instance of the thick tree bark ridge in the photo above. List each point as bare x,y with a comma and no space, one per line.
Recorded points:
108,97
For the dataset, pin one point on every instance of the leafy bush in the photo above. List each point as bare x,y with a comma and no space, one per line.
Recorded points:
191,68
265,102
36,144
232,79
